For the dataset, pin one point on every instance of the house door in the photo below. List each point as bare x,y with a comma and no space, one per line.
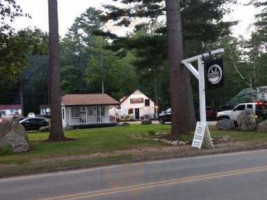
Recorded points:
137,113
91,115
99,118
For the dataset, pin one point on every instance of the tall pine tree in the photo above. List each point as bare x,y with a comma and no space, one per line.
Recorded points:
56,130
201,20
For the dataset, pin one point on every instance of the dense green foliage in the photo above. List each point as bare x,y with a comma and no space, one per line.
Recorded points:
12,57
86,62
258,44
203,26
90,56
9,10
32,78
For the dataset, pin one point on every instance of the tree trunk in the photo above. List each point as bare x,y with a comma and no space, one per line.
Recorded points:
156,97
56,130
21,97
191,106
177,73
102,68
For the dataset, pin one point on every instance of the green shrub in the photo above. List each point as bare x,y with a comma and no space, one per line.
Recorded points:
151,132
6,151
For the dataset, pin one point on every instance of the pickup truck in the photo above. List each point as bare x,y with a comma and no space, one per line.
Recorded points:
165,116
232,114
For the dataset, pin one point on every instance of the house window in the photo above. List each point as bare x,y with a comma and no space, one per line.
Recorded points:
90,111
63,113
130,111
75,112
147,102
2,113
102,111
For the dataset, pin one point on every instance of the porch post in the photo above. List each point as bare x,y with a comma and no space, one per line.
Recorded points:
71,119
86,115
115,114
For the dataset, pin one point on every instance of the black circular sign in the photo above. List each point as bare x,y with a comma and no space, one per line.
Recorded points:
214,74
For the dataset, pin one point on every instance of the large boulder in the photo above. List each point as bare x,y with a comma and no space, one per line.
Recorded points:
146,122
262,127
225,124
13,137
246,120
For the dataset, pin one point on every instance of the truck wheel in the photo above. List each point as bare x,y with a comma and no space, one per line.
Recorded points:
161,121
224,117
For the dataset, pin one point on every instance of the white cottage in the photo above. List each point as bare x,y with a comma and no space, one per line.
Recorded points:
137,105
10,111
87,110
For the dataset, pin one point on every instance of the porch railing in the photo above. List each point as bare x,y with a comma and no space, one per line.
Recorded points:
91,120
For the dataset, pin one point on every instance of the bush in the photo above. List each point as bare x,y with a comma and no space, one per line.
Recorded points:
6,151
151,132
146,122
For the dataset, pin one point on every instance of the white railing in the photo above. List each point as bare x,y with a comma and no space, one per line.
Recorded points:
91,120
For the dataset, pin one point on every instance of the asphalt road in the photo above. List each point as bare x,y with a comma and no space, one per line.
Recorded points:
237,176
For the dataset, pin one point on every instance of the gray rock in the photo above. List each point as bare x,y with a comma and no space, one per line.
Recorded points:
14,137
223,139
262,127
172,143
225,124
226,138
124,124
181,143
146,122
246,120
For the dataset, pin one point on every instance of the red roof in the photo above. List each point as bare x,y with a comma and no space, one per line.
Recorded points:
88,99
10,107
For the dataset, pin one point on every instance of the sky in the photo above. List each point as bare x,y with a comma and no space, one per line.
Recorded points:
38,10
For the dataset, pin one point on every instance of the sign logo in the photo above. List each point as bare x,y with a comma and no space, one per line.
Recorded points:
137,100
215,74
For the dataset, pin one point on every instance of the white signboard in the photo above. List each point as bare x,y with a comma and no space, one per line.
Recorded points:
199,135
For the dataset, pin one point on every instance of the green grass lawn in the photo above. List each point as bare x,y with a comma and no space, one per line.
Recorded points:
86,141
242,136
104,140
43,155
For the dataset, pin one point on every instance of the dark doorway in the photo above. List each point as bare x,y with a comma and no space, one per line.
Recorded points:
137,114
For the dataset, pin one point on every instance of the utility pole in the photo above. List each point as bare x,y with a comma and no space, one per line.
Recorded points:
21,97
102,69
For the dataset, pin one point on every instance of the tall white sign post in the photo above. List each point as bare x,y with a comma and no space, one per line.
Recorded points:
202,134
